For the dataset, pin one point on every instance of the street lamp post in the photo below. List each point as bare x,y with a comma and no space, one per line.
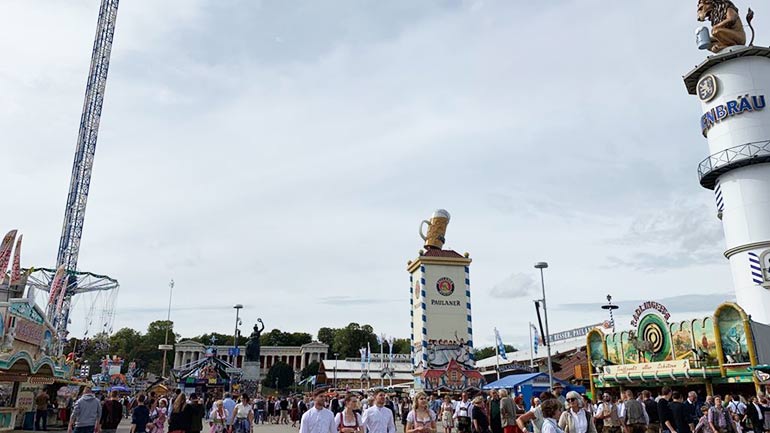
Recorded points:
611,307
165,347
335,368
235,334
541,266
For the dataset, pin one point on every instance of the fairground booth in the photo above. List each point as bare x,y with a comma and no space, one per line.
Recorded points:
29,362
530,385
26,368
717,354
208,375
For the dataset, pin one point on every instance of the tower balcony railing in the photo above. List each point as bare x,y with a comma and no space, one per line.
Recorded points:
729,159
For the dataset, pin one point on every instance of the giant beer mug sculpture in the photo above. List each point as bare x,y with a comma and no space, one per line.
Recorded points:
436,229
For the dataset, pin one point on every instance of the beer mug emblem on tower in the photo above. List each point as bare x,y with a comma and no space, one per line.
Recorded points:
436,229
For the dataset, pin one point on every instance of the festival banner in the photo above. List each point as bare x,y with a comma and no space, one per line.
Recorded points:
16,267
572,333
56,284
500,345
5,252
680,365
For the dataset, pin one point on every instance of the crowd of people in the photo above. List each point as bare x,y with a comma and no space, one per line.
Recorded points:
631,412
378,412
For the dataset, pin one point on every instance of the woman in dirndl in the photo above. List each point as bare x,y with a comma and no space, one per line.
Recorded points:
447,411
218,418
158,417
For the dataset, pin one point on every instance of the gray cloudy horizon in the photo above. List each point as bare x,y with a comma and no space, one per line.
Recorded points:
282,154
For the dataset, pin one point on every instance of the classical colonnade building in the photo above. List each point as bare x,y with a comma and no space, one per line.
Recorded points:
298,357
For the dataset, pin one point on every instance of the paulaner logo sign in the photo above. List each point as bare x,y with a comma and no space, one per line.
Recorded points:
721,112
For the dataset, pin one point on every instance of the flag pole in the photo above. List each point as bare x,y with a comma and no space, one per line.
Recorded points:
497,356
531,348
382,362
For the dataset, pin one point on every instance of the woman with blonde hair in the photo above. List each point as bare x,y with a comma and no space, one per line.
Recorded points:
218,418
576,419
180,420
447,410
507,412
420,419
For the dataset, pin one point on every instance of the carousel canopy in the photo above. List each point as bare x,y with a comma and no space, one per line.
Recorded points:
208,370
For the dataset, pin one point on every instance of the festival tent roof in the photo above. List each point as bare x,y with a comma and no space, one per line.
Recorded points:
515,380
193,369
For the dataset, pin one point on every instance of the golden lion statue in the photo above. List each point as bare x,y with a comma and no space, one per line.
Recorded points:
726,26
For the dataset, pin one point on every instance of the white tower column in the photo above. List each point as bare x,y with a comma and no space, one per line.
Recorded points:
734,87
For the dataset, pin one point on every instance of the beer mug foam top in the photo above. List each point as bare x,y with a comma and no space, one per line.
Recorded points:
436,229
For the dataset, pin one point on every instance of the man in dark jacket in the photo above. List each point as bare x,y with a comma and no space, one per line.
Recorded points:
140,416
664,412
755,412
691,409
112,413
651,406
678,413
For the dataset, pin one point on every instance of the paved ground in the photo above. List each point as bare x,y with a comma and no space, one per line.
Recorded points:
261,428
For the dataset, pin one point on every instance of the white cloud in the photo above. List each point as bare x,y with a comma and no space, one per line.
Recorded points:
515,286
279,175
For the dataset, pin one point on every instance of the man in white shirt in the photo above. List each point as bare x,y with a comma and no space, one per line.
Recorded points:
462,415
318,419
378,418
737,406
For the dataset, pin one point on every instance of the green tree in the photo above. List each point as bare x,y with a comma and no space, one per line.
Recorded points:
221,339
276,337
348,340
326,336
149,356
310,370
281,374
489,351
402,345
126,344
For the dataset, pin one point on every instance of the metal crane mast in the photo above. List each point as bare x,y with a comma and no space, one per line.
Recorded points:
72,229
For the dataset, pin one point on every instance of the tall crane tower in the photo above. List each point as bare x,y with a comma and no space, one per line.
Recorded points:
72,282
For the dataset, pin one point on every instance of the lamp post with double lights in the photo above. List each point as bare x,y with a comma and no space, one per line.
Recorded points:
610,307
165,347
236,334
335,368
541,266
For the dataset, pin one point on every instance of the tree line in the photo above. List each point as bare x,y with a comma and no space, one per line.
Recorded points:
142,348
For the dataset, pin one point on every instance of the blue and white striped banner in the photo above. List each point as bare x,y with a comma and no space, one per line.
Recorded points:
756,269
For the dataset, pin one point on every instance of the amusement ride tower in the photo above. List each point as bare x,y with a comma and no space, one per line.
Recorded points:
733,86
66,280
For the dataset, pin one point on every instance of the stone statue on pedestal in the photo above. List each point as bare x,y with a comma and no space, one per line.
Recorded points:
253,346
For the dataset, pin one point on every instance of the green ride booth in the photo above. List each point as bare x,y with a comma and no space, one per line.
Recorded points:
721,353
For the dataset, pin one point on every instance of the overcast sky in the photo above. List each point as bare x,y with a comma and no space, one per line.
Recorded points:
281,154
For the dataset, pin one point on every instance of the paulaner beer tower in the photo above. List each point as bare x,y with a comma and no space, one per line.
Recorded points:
440,299
733,86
